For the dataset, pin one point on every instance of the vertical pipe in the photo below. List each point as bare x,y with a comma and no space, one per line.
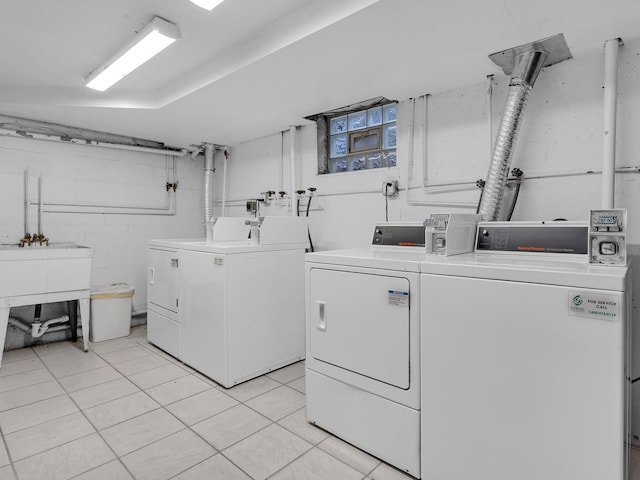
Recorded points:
207,189
292,165
410,143
224,181
490,112
425,146
280,165
26,202
610,106
40,205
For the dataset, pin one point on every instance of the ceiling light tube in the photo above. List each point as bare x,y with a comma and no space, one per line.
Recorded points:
207,4
151,40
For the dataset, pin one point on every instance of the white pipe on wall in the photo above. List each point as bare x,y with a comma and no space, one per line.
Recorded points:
168,209
40,203
26,202
292,165
224,180
610,110
429,189
35,136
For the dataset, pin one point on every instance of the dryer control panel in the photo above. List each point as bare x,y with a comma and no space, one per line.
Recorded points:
399,234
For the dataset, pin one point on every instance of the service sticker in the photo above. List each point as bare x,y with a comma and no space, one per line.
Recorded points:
604,307
397,297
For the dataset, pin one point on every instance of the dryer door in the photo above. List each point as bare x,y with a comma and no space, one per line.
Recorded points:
360,322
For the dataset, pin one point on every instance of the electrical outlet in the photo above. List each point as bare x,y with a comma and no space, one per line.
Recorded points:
390,188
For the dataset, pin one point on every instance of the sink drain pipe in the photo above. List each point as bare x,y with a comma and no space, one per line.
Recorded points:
524,64
38,329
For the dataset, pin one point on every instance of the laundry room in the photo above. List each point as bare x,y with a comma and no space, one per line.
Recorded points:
178,242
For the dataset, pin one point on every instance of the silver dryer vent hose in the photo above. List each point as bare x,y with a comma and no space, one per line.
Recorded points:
207,183
525,73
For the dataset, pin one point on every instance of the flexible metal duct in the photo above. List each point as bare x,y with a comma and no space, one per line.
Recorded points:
207,185
524,63
528,65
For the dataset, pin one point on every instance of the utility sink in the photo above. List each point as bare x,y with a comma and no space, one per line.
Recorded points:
37,246
43,274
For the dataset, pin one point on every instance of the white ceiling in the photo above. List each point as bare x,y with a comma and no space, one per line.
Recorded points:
251,68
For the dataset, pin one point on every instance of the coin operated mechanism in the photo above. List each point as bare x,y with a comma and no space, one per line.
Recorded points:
607,237
450,233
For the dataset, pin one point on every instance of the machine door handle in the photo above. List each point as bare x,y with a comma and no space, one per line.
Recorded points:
174,262
152,276
322,315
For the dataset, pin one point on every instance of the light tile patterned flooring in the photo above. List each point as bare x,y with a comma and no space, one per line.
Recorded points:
126,410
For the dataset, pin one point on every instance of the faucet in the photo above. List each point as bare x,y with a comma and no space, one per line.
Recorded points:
41,239
26,240
36,238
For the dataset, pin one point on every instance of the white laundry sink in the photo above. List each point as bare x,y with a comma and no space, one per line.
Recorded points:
43,269
43,274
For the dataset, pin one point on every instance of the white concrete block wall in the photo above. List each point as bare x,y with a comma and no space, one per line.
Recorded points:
562,133
79,174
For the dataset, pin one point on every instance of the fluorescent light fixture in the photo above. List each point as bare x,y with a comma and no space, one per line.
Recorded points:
151,40
207,4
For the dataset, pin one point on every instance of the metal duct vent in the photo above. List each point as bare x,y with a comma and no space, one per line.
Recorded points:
523,63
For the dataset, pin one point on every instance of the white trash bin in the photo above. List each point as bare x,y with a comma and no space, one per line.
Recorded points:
110,311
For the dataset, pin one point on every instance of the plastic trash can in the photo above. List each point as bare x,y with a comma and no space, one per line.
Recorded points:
110,311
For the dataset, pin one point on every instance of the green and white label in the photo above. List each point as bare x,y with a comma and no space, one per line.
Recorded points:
604,307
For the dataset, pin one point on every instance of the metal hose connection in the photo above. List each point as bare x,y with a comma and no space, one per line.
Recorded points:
525,73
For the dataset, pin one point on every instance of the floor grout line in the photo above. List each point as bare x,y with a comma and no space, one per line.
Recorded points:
139,341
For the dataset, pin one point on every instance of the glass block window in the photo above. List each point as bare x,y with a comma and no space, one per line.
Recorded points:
363,139
357,137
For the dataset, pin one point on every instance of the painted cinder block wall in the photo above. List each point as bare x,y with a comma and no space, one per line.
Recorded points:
559,148
82,184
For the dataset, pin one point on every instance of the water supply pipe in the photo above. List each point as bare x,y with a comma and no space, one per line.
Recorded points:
207,187
40,202
524,64
292,163
610,110
224,180
26,203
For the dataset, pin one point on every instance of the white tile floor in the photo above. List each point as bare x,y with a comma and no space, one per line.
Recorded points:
126,410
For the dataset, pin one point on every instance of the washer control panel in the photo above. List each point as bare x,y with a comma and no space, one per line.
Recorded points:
607,237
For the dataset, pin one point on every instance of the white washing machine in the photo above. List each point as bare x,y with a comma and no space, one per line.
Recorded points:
241,303
163,315
525,361
362,366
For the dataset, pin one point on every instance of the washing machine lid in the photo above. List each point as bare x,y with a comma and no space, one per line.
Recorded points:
534,268
171,242
403,259
239,246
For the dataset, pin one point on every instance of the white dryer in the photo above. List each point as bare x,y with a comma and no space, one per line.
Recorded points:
362,366
525,358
